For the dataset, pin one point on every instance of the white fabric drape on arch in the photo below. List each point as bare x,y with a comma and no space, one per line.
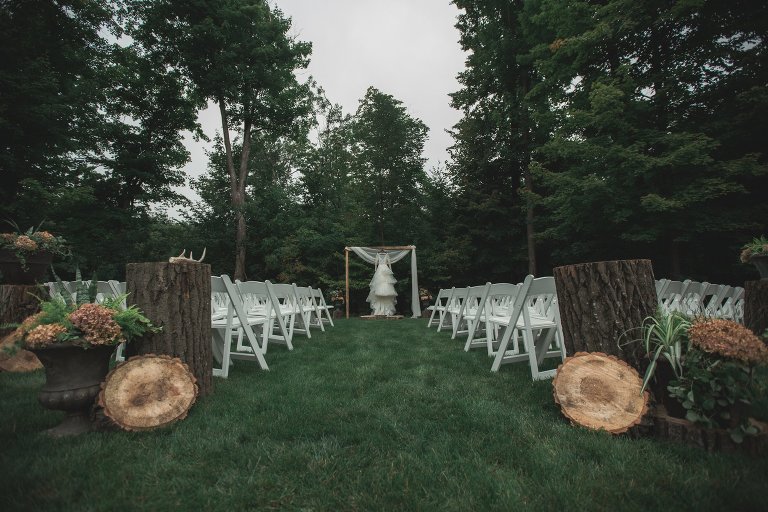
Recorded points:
368,254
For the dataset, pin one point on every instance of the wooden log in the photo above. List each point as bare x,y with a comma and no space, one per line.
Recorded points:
17,302
176,296
148,392
756,306
711,440
604,301
598,391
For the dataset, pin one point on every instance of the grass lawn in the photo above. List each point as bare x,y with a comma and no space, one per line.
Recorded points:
366,416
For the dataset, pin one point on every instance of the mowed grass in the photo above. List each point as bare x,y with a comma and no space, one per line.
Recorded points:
370,415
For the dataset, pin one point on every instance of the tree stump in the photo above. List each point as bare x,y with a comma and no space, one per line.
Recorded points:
604,301
756,306
177,297
17,302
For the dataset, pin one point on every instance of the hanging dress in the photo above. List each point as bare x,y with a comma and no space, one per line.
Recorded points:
382,295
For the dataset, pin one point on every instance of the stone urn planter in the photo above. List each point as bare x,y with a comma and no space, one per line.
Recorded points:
662,377
73,376
760,261
12,272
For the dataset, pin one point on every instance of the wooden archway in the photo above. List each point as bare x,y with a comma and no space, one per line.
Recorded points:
379,247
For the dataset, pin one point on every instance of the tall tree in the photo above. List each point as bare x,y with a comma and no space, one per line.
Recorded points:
50,55
496,138
238,54
636,144
388,170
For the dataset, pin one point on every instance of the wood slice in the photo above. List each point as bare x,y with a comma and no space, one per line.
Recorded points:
148,391
599,391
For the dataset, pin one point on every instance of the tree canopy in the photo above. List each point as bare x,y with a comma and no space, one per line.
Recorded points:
589,131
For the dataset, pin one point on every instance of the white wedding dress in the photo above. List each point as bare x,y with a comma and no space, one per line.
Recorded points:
382,295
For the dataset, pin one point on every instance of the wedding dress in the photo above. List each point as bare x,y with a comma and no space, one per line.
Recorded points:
382,295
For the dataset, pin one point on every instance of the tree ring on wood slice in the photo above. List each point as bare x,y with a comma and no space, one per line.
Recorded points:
599,391
148,391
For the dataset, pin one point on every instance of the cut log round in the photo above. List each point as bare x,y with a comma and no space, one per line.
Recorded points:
599,391
148,392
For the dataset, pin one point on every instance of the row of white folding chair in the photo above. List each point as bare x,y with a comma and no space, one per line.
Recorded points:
495,315
308,306
280,305
701,299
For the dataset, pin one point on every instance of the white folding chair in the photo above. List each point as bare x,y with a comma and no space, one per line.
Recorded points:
287,307
539,331
672,296
260,300
322,308
305,305
661,286
714,304
500,305
692,302
738,305
451,305
474,314
226,324
469,304
438,307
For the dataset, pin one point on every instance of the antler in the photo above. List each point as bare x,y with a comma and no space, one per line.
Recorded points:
182,257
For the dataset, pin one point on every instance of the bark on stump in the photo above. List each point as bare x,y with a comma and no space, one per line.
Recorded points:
604,301
176,296
17,302
756,306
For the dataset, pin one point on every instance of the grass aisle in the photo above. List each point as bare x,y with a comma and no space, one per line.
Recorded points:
366,416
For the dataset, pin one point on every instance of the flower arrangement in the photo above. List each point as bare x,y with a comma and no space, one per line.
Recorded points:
337,296
713,363
756,246
81,322
719,383
32,241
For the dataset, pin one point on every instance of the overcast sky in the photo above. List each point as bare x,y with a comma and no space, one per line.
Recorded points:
406,48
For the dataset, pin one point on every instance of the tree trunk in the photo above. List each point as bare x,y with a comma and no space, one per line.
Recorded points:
604,303
17,302
756,306
176,296
530,232
240,243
